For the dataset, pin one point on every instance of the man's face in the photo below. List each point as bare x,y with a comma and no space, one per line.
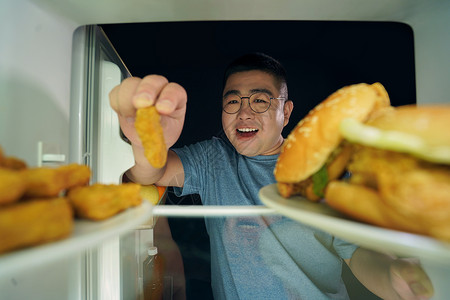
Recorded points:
254,133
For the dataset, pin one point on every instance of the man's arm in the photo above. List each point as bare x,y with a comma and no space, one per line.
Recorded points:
172,174
389,277
170,101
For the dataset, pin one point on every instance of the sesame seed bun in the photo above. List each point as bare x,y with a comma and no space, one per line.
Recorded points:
430,123
313,140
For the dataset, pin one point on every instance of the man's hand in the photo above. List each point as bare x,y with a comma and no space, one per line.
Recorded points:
169,99
390,277
409,280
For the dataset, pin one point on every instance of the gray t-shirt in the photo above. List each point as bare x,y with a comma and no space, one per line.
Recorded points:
258,257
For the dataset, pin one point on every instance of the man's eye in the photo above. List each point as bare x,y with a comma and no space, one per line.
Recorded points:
258,100
233,102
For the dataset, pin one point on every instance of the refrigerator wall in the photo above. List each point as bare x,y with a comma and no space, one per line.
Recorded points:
35,63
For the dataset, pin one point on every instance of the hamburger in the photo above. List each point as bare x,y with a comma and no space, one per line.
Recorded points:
400,171
315,152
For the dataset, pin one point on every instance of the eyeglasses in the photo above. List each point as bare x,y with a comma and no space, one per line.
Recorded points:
259,102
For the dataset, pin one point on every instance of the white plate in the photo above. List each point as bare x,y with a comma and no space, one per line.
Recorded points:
321,216
86,234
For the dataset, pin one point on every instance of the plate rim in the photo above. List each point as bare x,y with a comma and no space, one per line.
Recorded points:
366,235
85,234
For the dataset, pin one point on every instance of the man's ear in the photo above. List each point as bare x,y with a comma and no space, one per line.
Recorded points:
287,109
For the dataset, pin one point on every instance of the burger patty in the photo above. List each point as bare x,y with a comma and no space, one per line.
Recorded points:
288,189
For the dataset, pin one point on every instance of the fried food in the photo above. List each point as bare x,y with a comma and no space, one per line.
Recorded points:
50,182
416,189
34,222
11,162
400,171
75,175
44,182
100,201
151,134
12,186
2,156
32,207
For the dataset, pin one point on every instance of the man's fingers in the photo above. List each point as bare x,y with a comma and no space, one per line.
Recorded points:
134,93
121,95
148,90
171,98
415,277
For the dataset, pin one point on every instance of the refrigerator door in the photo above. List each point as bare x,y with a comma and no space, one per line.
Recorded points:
95,141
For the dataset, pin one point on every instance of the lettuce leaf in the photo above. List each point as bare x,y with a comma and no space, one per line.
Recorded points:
320,180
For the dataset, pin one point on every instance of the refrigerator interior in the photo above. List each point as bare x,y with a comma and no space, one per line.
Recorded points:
38,73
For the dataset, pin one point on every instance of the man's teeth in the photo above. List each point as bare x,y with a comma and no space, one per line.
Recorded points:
247,129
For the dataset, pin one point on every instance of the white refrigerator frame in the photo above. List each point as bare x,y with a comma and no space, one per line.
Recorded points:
95,141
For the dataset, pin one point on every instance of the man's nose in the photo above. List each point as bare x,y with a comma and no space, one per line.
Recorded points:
245,111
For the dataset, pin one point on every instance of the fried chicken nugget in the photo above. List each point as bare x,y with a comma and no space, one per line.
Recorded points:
2,156
14,163
10,162
35,222
50,182
75,175
101,201
12,186
151,134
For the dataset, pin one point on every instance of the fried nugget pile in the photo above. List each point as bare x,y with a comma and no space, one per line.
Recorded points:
150,132
99,201
38,205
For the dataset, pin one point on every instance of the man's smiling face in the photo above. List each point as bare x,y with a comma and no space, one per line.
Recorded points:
254,133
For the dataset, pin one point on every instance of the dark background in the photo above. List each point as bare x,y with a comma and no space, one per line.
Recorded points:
319,56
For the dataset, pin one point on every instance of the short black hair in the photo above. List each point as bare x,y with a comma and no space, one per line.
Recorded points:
257,61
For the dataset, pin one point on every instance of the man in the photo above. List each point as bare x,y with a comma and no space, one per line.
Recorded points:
253,258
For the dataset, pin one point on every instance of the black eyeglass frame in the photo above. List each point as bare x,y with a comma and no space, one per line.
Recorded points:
248,101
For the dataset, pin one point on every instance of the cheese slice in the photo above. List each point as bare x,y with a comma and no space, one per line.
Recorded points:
357,132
